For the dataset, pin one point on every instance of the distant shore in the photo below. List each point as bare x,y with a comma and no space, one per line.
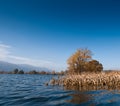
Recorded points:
16,71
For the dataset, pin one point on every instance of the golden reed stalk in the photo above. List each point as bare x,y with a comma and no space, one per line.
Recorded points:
88,81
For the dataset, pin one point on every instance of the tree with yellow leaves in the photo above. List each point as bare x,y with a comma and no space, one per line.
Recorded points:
81,61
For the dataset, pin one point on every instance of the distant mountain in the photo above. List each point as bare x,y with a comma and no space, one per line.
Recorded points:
5,66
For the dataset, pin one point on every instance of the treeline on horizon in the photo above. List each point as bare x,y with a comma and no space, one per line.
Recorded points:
17,71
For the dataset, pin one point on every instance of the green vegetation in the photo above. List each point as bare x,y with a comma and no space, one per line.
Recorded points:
17,71
21,72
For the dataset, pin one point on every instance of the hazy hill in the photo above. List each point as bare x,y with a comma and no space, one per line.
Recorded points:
5,66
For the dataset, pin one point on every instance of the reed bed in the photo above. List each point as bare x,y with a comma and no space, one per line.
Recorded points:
89,81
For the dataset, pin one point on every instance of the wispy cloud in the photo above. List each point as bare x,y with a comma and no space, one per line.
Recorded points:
6,55
4,51
23,60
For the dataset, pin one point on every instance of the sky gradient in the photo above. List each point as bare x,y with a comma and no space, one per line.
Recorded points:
46,32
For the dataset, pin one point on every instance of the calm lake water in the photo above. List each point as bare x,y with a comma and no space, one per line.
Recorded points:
30,90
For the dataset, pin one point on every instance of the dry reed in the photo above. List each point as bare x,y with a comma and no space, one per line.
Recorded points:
88,81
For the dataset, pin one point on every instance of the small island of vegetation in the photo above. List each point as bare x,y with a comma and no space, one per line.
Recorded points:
85,73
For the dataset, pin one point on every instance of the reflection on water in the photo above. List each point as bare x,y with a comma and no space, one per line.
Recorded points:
30,90
91,88
93,98
79,98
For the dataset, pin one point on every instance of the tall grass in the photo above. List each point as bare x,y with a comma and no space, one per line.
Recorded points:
91,81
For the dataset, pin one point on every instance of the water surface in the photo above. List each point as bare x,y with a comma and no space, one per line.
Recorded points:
30,90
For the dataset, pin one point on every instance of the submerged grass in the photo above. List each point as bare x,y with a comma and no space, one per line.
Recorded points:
90,81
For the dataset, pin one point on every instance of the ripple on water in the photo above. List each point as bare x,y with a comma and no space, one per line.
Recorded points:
29,90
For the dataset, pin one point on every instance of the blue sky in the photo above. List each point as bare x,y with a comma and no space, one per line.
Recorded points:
46,32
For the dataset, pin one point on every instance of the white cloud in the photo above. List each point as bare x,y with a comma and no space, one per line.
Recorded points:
23,60
6,55
4,51
4,46
38,63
